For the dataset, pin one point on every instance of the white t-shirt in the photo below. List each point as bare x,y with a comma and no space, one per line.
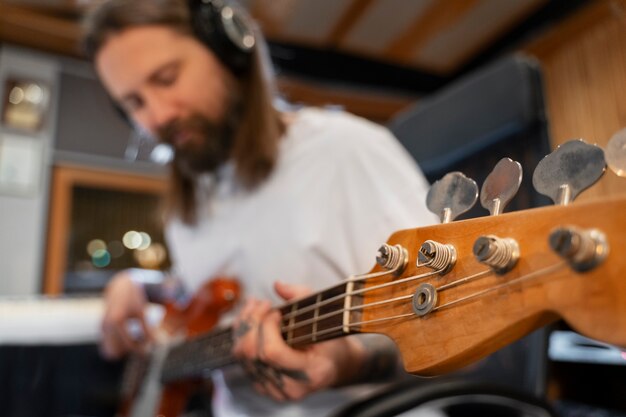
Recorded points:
340,187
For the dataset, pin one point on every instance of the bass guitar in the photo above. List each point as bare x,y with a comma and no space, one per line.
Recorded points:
452,293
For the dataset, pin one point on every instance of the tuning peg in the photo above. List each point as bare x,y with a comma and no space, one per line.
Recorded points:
571,168
451,196
615,153
501,185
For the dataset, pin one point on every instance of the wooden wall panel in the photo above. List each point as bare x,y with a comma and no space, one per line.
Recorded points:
65,178
584,64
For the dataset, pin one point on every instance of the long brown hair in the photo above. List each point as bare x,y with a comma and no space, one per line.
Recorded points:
260,126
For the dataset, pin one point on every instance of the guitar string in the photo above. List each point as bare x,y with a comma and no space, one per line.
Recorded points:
181,352
349,280
217,354
290,326
185,348
526,277
340,297
227,332
198,342
447,305
287,317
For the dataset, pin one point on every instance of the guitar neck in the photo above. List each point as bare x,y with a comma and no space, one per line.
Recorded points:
198,355
475,309
322,316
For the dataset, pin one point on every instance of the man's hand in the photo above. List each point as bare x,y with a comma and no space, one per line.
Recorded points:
124,300
285,373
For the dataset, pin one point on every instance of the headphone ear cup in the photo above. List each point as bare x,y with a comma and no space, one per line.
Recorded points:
226,30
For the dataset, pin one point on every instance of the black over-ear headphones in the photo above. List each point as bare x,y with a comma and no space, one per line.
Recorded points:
226,30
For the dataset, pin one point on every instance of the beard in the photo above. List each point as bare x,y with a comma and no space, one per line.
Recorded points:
207,145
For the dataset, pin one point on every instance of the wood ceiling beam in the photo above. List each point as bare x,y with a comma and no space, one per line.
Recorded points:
64,4
344,25
71,8
436,19
272,15
505,24
37,30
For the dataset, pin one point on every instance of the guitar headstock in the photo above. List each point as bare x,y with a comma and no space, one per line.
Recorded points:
465,289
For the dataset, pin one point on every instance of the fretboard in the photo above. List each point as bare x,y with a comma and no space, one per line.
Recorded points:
199,355
321,316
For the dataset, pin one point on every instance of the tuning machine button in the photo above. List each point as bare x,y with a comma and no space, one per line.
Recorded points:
616,153
451,196
501,254
501,185
570,169
582,248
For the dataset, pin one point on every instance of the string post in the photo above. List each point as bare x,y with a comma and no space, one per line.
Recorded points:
501,254
438,256
582,248
392,258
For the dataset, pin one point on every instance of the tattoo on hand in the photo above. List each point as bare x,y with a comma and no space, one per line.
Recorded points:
244,327
264,372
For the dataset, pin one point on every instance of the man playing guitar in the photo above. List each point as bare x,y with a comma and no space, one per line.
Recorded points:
303,196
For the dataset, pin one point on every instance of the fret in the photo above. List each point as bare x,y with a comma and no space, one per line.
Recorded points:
347,305
302,320
294,308
316,315
198,355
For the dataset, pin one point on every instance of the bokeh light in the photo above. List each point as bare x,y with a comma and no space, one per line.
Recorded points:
94,245
132,239
146,240
16,96
34,93
101,258
152,257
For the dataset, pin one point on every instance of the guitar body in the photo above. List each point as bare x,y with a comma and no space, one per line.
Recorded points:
200,316
492,310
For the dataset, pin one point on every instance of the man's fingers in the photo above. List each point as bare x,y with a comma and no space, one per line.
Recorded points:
276,369
290,291
246,329
118,340
128,341
275,350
